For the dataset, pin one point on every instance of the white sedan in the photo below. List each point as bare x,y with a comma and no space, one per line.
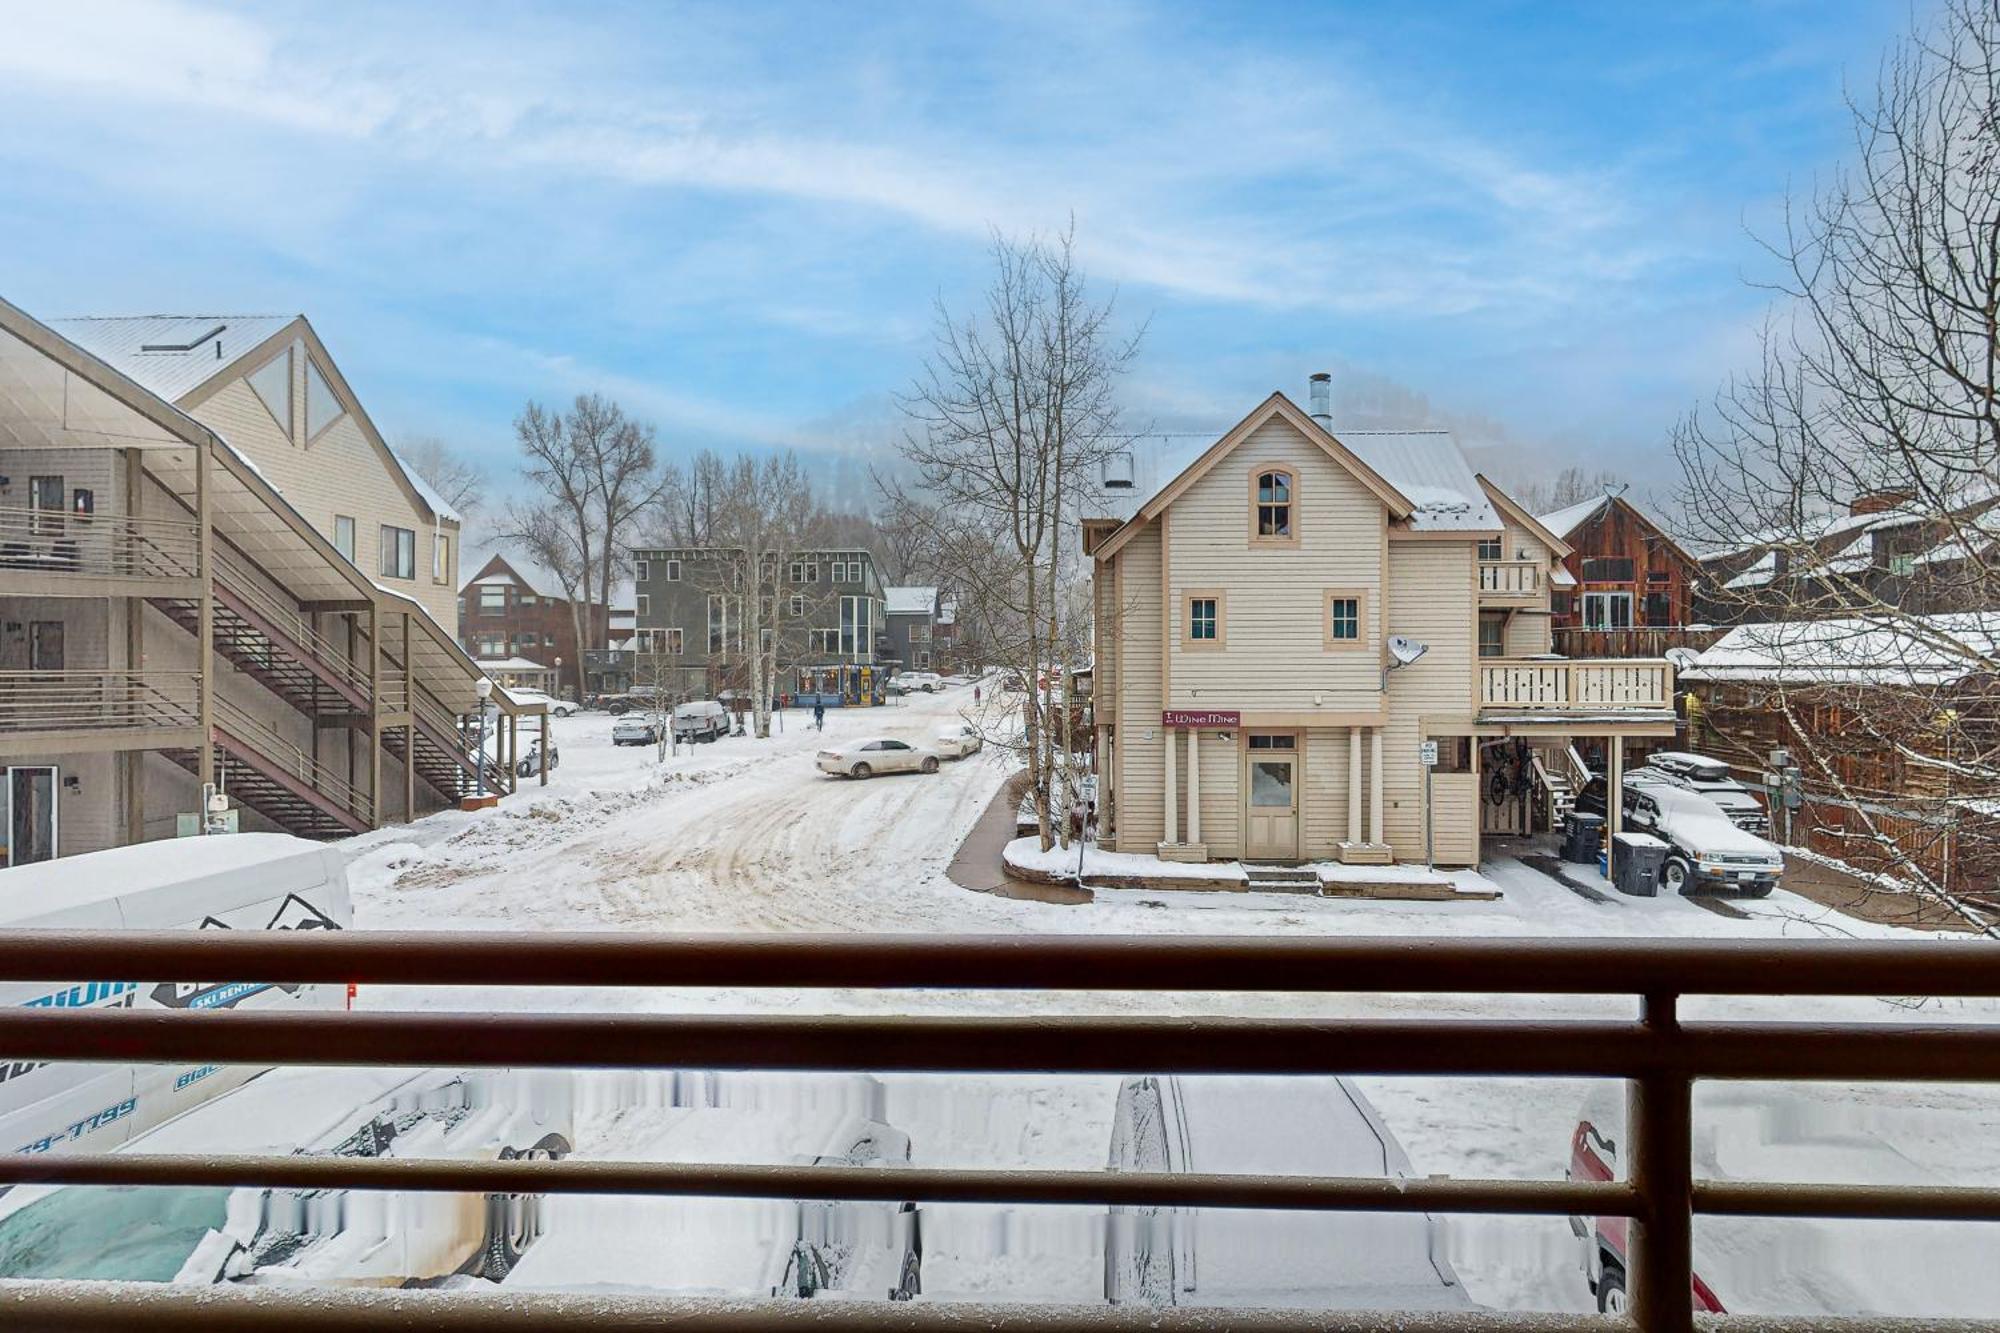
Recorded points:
864,759
557,707
957,740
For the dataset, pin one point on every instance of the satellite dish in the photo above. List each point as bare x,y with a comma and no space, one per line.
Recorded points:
1406,650
1682,658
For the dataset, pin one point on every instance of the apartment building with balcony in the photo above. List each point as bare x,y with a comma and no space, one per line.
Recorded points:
512,609
213,573
828,607
1259,691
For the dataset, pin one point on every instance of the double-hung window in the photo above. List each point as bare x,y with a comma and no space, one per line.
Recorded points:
399,553
1490,549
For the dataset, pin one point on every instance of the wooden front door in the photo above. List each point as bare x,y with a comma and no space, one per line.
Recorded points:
1271,787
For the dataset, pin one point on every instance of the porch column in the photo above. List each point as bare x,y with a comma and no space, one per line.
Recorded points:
1194,785
1614,800
1354,784
1375,785
1173,790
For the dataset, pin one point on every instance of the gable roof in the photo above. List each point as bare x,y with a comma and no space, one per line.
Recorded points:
910,601
1568,519
1565,522
1506,505
1427,466
1277,405
177,355
497,566
173,355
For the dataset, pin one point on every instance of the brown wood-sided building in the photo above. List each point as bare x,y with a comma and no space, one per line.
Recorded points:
1626,589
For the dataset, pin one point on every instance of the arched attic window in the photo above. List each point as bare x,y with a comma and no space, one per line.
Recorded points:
1274,494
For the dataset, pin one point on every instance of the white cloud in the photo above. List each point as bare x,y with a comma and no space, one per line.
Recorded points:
1237,177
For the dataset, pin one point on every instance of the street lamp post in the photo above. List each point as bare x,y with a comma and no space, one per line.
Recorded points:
557,691
484,689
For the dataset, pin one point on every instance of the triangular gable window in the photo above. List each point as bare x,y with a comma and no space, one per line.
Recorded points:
273,383
323,406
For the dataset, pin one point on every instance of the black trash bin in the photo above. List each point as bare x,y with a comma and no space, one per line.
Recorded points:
1583,838
1636,861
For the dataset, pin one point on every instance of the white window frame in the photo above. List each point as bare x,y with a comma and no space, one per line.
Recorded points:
645,605
344,546
673,571
1604,601
640,570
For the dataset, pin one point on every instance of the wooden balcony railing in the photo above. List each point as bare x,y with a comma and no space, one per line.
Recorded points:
44,541
1560,685
1633,640
1660,1053
52,701
1510,580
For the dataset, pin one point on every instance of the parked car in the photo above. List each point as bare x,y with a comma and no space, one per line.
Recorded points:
1590,800
1802,1268
955,740
633,701
912,682
700,720
1012,683
530,763
1711,777
1705,850
215,1234
758,1248
1289,1126
635,730
557,707
866,758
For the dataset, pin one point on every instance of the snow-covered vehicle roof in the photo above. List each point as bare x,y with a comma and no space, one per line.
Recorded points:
1284,1126
1693,817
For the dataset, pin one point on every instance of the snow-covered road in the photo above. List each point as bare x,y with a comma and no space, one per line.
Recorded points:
746,835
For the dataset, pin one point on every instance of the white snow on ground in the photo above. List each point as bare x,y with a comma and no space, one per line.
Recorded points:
746,835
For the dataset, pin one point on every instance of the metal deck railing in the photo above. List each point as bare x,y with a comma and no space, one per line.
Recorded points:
1660,1052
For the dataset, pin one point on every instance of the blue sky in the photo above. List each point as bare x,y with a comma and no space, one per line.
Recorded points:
1524,220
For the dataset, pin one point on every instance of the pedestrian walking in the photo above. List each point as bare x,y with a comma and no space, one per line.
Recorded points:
819,715
975,696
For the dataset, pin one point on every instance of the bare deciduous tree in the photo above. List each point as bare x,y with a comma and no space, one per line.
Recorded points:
594,472
1874,410
457,478
1572,485
1015,412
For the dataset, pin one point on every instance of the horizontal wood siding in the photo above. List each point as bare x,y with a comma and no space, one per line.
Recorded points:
1432,598
339,473
1221,794
1141,797
1323,818
1274,656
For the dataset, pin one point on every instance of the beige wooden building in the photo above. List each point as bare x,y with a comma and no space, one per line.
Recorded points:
213,572
1249,703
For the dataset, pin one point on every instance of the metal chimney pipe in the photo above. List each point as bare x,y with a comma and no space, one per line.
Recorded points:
1321,396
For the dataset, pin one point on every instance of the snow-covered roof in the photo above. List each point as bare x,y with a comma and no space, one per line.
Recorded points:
492,664
1873,650
430,493
1567,520
1428,467
1758,574
172,355
1561,577
910,601
539,579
